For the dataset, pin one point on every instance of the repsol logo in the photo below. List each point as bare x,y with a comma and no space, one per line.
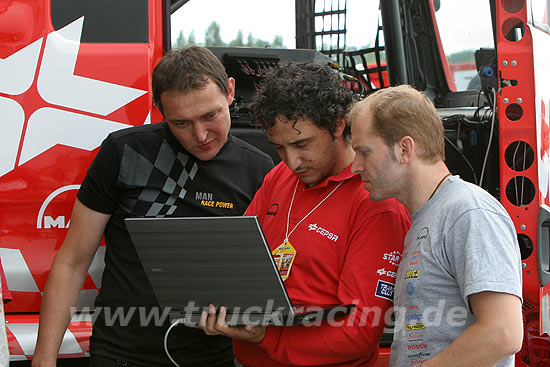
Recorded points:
47,220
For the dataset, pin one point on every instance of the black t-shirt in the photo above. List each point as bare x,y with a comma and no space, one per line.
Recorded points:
145,172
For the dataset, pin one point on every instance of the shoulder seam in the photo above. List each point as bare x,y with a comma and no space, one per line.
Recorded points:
485,210
247,146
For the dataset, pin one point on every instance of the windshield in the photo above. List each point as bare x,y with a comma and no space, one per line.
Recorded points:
261,23
248,23
463,31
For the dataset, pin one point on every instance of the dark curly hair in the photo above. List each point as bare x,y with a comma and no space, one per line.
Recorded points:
298,90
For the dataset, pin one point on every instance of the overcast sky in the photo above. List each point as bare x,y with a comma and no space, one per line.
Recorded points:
267,18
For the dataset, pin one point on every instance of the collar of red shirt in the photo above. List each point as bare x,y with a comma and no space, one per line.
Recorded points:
342,176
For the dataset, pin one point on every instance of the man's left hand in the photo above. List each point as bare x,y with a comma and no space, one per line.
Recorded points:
213,325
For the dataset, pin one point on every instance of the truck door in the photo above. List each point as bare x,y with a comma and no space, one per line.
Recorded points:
70,73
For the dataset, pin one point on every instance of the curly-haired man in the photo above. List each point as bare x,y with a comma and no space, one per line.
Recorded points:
332,244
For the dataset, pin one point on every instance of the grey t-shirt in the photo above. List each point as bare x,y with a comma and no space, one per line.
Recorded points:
460,242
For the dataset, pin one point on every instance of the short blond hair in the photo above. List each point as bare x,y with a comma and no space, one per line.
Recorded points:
403,111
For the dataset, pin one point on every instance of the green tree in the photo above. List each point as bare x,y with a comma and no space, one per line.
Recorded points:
278,42
260,43
191,40
251,42
180,41
462,56
212,35
238,41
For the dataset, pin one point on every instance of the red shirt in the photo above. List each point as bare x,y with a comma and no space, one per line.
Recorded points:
347,251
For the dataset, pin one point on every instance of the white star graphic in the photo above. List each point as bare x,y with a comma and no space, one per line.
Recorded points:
58,85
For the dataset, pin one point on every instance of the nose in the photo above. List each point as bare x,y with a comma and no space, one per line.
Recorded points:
356,165
292,159
200,131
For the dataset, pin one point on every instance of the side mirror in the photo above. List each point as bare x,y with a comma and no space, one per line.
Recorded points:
437,4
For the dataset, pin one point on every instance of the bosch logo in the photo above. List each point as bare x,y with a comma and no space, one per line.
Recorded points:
417,346
46,221
57,85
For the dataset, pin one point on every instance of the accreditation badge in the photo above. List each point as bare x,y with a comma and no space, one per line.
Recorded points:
284,256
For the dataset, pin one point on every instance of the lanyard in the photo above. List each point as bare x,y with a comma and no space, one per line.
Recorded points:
307,215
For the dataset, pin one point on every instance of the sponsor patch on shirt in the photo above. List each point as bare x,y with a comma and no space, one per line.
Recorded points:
412,273
415,258
410,288
272,210
393,257
389,273
323,232
384,290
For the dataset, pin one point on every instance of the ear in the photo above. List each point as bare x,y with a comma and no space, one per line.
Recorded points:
404,149
230,90
340,126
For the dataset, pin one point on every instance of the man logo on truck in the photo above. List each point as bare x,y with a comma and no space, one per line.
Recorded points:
49,221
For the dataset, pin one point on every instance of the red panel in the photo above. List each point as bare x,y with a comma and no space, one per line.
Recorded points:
25,189
383,358
524,129
516,62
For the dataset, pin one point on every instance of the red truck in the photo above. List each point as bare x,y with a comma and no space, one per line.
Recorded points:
71,72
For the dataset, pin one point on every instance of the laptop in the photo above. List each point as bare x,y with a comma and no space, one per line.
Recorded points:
193,262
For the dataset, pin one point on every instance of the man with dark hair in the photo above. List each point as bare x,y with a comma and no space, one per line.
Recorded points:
458,289
332,244
162,169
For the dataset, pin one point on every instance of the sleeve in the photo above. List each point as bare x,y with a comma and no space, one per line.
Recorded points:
484,254
98,190
367,280
259,200
6,294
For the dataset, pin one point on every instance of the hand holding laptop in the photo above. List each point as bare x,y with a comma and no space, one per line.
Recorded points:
216,325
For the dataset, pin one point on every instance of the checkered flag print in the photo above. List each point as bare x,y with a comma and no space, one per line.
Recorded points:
162,181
